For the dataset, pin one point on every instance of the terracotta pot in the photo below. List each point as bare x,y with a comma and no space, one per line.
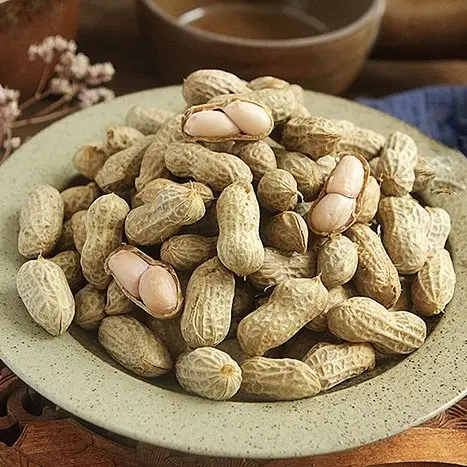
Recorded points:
326,60
26,22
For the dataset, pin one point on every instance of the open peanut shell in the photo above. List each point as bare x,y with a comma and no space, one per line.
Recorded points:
218,106
151,262
358,204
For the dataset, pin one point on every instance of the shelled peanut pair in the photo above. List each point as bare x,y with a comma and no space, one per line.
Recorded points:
221,240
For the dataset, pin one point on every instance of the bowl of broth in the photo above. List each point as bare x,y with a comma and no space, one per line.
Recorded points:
321,45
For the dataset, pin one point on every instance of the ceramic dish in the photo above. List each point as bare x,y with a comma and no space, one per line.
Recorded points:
77,376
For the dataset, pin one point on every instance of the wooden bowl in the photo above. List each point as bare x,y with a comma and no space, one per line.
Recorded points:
321,45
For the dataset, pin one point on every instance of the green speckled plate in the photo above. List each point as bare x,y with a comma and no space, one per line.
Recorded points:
73,373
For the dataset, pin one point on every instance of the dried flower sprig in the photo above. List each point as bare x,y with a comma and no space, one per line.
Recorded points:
75,80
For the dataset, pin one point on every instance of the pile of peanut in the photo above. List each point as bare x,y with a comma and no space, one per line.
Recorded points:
246,244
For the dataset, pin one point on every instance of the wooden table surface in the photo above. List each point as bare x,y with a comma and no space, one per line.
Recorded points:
34,433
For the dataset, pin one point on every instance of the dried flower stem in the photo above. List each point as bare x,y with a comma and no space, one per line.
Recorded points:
8,148
55,105
45,118
39,94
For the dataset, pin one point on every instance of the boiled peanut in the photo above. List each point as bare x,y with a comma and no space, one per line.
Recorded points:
202,85
104,229
147,120
66,241
278,267
369,202
69,261
315,136
433,286
361,319
174,206
277,191
40,223
440,228
134,346
239,245
405,229
287,231
396,164
120,170
117,303
90,304
187,252
335,363
216,169
45,292
120,137
279,379
78,225
424,175
337,261
257,155
207,226
78,198
336,296
168,331
209,373
152,285
208,304
292,304
153,164
376,275
89,159
308,174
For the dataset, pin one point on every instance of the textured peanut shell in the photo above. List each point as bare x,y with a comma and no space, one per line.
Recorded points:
358,206
40,222
208,304
440,228
292,304
257,155
202,85
278,267
396,165
45,292
335,363
168,331
90,304
78,198
174,207
78,225
153,164
120,170
149,192
243,303
298,346
119,137
69,261
308,174
89,159
239,245
268,82
117,303
277,191
281,102
278,379
434,285
207,226
404,302
405,228
367,143
337,261
215,169
370,200
147,120
315,136
287,231
104,229
209,373
336,296
134,346
187,252
424,175
217,108
232,348
66,241
361,319
151,262
376,276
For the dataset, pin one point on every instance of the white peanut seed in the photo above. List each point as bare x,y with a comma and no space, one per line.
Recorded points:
128,268
210,124
347,178
332,212
250,118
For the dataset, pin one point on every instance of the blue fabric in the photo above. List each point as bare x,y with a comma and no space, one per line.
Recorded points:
439,111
